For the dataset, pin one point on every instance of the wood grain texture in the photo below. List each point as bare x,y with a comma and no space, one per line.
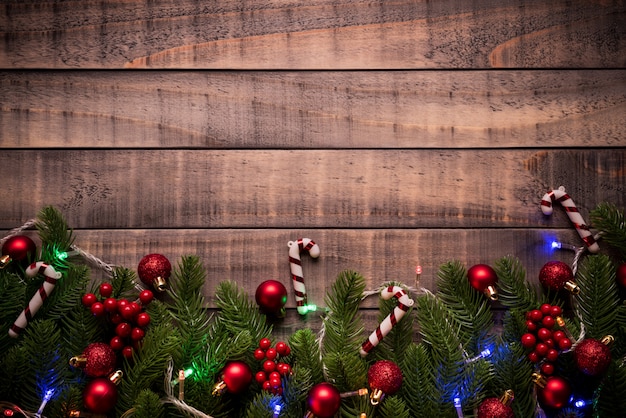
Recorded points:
314,34
364,109
305,188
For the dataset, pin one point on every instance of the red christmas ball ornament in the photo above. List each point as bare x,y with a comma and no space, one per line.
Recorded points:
154,270
20,249
236,377
100,394
621,275
553,392
97,360
497,407
384,378
483,278
271,296
557,275
324,400
593,356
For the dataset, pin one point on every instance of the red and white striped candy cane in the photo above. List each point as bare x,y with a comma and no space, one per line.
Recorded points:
404,303
295,264
51,276
559,195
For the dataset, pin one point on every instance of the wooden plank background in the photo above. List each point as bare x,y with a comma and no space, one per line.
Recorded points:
391,133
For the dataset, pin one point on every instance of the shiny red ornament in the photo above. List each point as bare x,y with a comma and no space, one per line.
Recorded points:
384,378
271,296
557,275
483,278
324,400
20,249
97,360
621,275
494,408
592,357
100,395
555,393
154,270
236,376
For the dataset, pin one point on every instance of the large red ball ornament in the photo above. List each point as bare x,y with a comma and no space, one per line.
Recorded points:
20,249
557,275
324,400
592,356
271,296
621,275
494,408
236,377
100,395
154,270
97,360
555,394
483,278
384,378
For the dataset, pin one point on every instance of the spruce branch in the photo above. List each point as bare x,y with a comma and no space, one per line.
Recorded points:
418,385
55,236
607,218
513,371
148,405
305,352
515,292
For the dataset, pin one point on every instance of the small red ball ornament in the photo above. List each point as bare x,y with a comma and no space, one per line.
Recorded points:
20,249
557,275
621,276
593,356
553,392
154,270
100,394
97,360
324,400
384,378
271,296
483,278
497,407
236,377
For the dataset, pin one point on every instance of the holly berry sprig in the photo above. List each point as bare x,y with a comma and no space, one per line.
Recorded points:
547,336
270,378
129,317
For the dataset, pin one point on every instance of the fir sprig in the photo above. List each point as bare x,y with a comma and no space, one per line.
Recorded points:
607,218
305,351
515,292
418,385
55,235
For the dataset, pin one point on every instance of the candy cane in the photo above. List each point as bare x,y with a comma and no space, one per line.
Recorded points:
563,198
295,247
51,277
404,303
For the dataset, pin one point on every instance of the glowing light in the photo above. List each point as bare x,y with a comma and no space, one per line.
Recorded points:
555,245
310,308
277,408
457,402
47,396
182,376
457,406
483,354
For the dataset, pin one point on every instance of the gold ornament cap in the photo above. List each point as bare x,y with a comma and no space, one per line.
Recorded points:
572,287
539,380
4,261
491,292
608,340
507,397
376,396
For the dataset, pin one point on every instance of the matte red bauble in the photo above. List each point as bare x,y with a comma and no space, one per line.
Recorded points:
154,270
494,408
20,249
100,395
324,400
592,357
384,378
555,394
271,296
236,376
557,275
483,278
98,359
621,275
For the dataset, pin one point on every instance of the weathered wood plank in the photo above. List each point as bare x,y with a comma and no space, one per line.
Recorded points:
305,189
314,34
372,109
251,256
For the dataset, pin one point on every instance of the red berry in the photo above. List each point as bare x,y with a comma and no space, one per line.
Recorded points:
89,299
552,355
127,312
121,303
259,354
556,310
545,308
146,296
274,375
548,322
260,377
116,343
286,369
542,349
528,340
278,391
106,290
127,352
533,357
269,366
266,385
123,329
271,353
565,344
535,315
136,307
97,309
282,348
558,335
110,304
549,342
547,368
275,383
137,334
142,319
544,334
265,343
531,326
116,318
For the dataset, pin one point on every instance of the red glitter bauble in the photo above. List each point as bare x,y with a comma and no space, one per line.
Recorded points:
271,296
554,274
555,394
494,408
100,395
154,270
324,400
20,249
386,376
592,357
237,376
99,359
483,278
621,275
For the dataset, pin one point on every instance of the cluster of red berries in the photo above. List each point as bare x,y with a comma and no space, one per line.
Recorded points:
544,338
129,318
270,378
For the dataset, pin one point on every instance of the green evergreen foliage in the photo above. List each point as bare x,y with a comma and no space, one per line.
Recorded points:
514,291
419,386
305,351
607,218
148,405
513,371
